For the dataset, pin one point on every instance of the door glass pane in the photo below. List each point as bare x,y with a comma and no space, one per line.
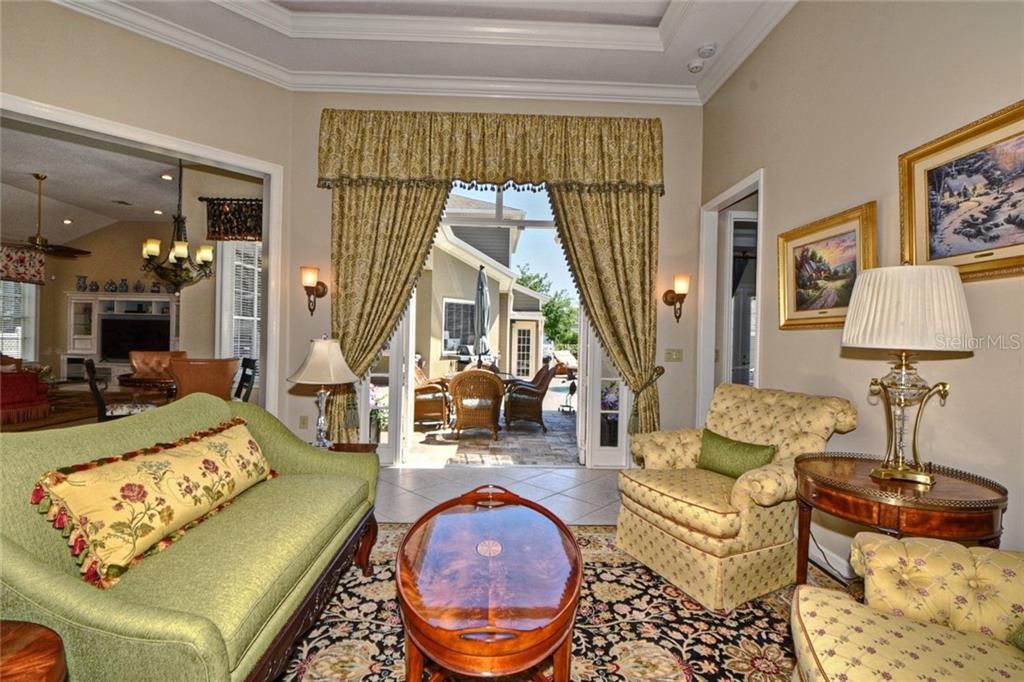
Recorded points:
609,413
608,370
609,429
380,396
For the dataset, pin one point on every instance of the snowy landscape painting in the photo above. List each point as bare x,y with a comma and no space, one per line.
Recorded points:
825,271
976,201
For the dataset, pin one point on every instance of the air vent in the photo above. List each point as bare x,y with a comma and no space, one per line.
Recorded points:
121,202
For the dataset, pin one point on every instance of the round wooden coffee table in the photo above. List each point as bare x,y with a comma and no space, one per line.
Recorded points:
488,585
30,653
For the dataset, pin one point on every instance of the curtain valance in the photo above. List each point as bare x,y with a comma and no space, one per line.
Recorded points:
233,219
584,152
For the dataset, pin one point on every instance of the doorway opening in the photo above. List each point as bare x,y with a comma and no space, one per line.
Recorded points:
496,253
736,331
228,314
729,313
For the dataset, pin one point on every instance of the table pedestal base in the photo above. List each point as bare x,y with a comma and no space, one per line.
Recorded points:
416,664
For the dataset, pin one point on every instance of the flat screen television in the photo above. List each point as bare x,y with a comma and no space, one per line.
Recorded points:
118,335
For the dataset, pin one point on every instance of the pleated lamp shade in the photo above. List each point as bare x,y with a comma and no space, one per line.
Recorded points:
324,365
908,307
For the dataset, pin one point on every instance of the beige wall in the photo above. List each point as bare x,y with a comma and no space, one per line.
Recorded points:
65,59
826,105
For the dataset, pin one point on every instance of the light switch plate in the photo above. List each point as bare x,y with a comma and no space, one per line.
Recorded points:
673,355
303,421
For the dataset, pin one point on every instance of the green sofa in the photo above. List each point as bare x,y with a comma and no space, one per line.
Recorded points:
228,601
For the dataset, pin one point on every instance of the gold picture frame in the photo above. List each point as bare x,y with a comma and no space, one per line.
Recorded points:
962,198
818,264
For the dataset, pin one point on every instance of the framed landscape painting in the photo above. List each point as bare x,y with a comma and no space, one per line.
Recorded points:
962,198
818,264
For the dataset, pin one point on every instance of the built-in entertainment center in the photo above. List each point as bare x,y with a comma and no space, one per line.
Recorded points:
106,326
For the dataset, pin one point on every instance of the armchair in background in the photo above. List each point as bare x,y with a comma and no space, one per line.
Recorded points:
430,403
476,395
213,376
525,401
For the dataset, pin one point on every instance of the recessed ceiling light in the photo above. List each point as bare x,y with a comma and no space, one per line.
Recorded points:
157,211
166,176
68,221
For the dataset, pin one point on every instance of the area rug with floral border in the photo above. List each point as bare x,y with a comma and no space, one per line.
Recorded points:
631,625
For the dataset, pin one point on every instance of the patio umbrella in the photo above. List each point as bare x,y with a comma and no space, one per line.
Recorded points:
481,314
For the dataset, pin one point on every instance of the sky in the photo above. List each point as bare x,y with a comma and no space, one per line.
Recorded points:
537,247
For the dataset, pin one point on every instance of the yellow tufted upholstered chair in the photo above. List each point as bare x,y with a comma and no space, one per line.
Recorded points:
934,610
722,540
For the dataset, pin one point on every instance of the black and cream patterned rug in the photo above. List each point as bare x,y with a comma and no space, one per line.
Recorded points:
631,625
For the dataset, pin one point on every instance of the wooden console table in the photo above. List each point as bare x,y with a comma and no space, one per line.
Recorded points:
959,506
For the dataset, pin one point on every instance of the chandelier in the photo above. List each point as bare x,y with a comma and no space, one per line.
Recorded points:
178,268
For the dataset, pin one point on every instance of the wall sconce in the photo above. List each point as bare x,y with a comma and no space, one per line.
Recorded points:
677,294
314,287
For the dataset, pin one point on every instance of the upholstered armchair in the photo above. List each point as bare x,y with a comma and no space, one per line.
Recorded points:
934,610
722,540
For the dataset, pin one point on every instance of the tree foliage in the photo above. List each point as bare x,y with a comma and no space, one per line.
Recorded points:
561,314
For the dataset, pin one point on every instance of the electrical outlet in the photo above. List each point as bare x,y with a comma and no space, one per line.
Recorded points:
673,355
304,421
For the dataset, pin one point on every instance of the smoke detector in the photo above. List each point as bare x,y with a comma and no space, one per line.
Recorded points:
707,50
696,66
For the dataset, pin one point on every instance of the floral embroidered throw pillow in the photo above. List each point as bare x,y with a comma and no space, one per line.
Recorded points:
117,510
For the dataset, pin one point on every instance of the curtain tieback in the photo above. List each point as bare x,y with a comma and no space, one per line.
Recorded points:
634,414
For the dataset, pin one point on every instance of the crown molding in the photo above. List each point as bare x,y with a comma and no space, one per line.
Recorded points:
452,30
673,20
161,30
524,88
761,23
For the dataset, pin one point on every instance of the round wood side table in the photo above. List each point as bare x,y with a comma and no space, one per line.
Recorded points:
31,653
959,506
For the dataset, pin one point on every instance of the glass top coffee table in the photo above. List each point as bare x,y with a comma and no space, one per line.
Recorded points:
488,585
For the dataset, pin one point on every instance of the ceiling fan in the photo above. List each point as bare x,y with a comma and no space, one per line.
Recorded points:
38,241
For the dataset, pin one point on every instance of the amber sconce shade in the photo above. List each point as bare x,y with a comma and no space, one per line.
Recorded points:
677,294
314,287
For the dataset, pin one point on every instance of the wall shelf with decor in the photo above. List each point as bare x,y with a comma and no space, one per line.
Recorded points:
104,327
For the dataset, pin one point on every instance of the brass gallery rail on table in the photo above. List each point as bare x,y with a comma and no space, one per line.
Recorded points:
960,506
488,585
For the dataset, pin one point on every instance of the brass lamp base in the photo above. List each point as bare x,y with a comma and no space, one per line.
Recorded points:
889,474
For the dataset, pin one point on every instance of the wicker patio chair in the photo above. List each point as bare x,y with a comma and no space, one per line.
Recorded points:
431,399
476,394
525,401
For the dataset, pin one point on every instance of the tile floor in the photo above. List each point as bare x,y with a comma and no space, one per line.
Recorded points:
578,496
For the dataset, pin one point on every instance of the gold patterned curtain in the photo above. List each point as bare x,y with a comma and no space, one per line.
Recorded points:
611,243
390,173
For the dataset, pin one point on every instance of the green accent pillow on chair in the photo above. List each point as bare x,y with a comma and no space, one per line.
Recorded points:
731,457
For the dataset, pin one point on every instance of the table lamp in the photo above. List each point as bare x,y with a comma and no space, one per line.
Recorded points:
324,365
906,309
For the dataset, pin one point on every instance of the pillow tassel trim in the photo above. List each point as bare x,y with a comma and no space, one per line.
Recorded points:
76,530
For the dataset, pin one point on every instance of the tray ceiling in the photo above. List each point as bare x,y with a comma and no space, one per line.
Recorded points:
635,51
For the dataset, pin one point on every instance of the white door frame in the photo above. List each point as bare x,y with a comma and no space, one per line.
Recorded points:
725,307
32,111
707,282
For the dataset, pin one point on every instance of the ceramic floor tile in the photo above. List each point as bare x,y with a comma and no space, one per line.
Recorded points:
525,473
445,491
530,492
568,508
406,507
411,479
476,476
605,489
553,481
605,516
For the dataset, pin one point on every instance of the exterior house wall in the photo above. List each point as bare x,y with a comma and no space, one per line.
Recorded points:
826,104
453,279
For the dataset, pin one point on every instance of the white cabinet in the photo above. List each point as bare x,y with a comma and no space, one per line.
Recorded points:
89,313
